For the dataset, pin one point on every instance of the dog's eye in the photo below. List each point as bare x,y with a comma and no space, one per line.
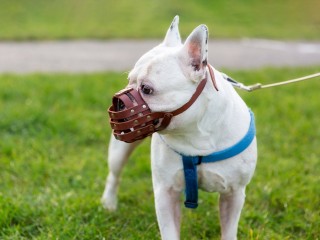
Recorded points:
146,89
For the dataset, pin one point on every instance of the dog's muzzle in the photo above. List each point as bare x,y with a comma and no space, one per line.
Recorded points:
131,118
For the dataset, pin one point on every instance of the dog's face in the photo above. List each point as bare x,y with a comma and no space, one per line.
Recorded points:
168,75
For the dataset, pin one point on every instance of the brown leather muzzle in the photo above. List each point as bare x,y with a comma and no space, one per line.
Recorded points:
131,118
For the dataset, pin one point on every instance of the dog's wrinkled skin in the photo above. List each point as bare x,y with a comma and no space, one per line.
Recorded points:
217,120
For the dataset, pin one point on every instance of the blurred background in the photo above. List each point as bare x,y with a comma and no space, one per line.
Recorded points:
59,68
103,19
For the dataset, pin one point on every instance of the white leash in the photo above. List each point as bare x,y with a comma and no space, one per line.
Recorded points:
261,86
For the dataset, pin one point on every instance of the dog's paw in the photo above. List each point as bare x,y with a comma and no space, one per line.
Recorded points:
109,202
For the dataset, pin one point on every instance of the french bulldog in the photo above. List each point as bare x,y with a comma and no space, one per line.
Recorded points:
210,145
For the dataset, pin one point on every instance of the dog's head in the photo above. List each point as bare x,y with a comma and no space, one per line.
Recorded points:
165,78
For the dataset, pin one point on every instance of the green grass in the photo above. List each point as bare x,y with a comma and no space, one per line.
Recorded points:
60,19
54,136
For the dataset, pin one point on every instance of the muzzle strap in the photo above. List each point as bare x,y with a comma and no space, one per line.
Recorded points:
213,79
194,97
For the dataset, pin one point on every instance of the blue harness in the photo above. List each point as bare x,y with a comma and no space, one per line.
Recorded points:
190,163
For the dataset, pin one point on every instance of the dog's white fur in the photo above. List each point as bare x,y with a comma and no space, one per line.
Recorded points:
217,120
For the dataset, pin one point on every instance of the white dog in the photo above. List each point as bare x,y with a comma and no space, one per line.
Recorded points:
211,145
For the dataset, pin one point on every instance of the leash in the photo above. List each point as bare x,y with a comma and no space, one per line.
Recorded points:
262,86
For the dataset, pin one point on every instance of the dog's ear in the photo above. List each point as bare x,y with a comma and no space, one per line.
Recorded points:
172,37
194,53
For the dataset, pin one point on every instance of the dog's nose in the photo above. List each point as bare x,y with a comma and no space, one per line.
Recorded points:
155,122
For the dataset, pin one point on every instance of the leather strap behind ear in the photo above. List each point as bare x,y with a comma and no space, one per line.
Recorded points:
192,99
212,77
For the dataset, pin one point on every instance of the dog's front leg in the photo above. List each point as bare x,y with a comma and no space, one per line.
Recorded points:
167,179
168,213
118,155
230,205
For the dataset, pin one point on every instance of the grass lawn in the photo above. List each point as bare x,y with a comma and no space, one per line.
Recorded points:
54,135
60,19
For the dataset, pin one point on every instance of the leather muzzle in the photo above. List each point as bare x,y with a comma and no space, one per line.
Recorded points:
131,118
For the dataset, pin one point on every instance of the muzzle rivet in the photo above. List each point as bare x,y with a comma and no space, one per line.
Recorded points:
144,106
148,117
132,110
135,122
139,132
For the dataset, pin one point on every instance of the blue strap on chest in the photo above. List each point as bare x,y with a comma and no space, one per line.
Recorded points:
190,163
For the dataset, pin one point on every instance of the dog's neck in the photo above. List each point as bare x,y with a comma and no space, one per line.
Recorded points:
219,120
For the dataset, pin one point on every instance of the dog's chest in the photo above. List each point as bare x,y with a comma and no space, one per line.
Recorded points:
208,180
